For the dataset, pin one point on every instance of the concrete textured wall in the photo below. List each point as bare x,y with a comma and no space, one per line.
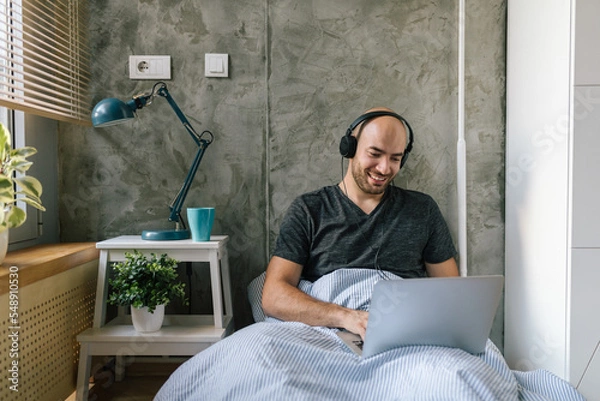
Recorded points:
300,72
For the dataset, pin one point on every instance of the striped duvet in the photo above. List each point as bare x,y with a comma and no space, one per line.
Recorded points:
273,360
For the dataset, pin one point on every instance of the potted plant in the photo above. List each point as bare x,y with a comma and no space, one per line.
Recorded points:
147,284
15,188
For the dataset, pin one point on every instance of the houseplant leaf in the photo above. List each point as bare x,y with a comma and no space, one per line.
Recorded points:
23,152
29,186
18,164
15,217
5,142
7,193
36,203
12,189
143,280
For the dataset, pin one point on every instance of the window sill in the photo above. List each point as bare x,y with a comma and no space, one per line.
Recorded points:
42,261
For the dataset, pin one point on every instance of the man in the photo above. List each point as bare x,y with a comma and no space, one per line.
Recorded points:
363,222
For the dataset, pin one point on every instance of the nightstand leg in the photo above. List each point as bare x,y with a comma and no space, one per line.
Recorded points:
215,283
101,289
226,282
83,373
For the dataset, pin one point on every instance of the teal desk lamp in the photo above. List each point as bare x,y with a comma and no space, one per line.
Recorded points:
113,111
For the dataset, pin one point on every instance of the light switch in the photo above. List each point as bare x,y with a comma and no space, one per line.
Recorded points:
216,65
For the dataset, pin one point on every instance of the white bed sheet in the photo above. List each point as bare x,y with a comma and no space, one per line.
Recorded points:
273,360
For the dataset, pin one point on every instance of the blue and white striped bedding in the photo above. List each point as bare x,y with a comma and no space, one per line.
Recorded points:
274,360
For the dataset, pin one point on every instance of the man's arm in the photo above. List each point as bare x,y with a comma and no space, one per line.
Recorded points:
283,300
447,268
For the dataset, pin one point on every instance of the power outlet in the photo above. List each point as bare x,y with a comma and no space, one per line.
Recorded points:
150,67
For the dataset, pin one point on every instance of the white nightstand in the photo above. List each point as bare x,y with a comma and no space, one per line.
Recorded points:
181,335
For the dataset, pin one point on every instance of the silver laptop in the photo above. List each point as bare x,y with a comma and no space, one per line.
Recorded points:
448,311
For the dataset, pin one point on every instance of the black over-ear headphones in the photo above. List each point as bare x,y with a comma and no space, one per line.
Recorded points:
348,142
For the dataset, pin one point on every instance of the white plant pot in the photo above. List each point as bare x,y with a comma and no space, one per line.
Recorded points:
3,245
146,322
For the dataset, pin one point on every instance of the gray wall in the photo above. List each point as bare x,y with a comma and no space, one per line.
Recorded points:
300,72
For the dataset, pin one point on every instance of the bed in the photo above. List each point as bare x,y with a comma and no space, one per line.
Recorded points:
274,360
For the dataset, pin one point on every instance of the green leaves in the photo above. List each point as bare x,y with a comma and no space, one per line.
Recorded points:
31,188
14,217
145,281
12,189
7,192
5,142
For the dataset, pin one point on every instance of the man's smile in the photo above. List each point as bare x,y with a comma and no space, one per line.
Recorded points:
377,178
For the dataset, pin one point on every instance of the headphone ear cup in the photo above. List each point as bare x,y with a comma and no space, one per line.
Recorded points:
348,146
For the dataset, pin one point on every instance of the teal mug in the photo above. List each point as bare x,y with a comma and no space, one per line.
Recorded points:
201,220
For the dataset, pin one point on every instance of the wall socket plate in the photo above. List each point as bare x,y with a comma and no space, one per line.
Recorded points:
150,67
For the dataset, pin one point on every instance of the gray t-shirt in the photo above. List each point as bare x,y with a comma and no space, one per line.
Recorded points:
324,231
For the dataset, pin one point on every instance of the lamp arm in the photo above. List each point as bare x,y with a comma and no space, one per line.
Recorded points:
164,92
177,203
202,142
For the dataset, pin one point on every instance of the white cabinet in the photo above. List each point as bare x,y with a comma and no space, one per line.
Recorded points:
553,189
180,335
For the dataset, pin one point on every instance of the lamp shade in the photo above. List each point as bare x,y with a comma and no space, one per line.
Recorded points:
111,111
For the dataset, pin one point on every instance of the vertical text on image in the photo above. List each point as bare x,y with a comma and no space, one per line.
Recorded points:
13,328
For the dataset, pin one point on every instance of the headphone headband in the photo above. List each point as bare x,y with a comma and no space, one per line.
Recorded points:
348,142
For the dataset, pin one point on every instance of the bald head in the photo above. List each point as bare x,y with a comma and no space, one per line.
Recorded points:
386,118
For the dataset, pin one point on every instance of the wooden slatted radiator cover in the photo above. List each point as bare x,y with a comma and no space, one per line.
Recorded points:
47,296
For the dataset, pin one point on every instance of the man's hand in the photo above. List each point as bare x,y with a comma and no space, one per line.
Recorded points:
283,300
357,322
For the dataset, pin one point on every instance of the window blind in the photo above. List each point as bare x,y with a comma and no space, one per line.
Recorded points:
44,58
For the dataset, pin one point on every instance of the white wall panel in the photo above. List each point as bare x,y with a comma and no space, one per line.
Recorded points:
587,44
537,163
552,190
585,298
586,167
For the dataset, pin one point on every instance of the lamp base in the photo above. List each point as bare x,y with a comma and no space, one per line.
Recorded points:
165,235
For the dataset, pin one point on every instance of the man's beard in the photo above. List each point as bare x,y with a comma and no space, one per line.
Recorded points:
361,179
